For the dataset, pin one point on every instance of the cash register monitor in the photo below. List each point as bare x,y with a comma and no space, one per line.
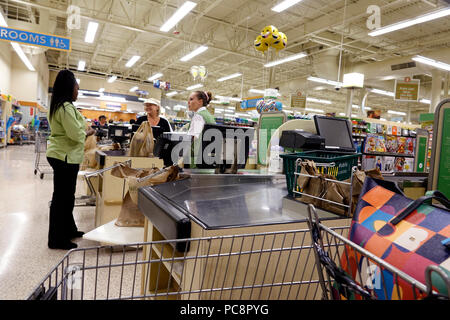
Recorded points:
336,132
118,133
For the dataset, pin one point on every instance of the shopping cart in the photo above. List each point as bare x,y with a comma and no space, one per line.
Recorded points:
260,266
41,164
374,278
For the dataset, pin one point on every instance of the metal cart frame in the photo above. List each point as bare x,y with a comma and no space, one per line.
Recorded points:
329,249
41,166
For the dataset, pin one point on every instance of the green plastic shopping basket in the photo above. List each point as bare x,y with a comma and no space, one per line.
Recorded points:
341,164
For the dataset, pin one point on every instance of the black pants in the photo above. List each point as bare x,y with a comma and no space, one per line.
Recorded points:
62,225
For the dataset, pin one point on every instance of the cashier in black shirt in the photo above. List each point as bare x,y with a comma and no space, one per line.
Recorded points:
152,107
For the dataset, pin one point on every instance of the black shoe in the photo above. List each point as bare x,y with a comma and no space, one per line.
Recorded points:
67,245
77,234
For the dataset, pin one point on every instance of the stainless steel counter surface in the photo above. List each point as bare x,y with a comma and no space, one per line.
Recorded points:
229,201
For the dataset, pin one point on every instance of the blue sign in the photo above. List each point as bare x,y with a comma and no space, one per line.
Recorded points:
250,104
35,39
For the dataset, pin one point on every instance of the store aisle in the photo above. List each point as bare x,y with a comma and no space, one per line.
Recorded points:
24,256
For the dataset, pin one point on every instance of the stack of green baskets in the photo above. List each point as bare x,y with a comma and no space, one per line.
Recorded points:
342,169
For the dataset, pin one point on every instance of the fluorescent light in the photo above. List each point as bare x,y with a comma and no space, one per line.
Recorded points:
397,112
133,89
342,114
112,79
410,22
219,110
112,99
178,15
425,101
314,110
155,76
22,56
382,92
431,62
91,31
170,94
195,86
132,61
288,59
81,65
383,119
256,91
318,100
101,90
325,81
231,76
194,53
354,106
2,20
284,5
78,80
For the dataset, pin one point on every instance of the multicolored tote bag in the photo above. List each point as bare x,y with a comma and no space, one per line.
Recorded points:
410,235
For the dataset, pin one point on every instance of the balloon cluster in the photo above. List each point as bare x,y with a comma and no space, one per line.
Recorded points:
269,105
161,85
199,71
270,37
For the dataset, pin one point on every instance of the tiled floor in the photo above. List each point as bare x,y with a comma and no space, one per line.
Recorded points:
24,256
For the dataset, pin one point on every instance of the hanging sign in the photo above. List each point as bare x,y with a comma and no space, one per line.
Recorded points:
36,39
298,101
407,90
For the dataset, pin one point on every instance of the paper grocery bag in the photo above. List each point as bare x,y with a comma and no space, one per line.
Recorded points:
142,143
130,215
90,148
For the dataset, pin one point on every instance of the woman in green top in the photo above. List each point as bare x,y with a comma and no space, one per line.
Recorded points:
198,101
64,153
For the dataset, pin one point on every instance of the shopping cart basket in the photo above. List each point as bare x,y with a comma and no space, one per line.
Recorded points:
261,266
41,164
374,279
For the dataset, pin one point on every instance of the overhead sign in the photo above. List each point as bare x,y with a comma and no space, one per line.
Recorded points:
298,101
407,90
36,39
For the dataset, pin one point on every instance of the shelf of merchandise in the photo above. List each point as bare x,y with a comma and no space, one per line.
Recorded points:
3,132
387,154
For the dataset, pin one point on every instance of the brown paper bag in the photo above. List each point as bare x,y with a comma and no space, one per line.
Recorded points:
142,143
309,185
333,192
90,148
130,216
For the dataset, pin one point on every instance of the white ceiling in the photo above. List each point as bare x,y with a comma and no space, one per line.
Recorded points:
229,27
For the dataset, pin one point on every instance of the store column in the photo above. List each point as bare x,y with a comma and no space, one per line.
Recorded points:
350,94
446,85
436,87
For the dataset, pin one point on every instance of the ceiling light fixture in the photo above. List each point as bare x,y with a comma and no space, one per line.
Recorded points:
325,81
287,59
81,65
231,76
101,90
132,61
170,94
178,15
133,89
256,91
318,100
91,31
195,86
432,62
410,22
17,48
382,92
284,5
397,112
314,110
194,53
425,101
155,76
78,81
112,79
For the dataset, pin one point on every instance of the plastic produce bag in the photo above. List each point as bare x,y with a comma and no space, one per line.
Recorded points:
142,143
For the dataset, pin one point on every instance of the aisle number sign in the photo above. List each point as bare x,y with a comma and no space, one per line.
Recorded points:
407,90
36,39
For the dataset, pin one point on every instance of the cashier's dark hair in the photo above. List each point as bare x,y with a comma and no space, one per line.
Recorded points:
205,96
62,90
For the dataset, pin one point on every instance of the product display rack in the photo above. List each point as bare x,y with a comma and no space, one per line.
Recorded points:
3,132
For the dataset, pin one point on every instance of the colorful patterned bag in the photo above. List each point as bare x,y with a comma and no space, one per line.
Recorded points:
410,235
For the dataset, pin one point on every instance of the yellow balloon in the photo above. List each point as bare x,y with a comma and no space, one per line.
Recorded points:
260,44
267,32
280,41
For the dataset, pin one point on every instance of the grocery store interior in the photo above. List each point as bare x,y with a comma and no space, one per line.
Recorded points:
345,92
